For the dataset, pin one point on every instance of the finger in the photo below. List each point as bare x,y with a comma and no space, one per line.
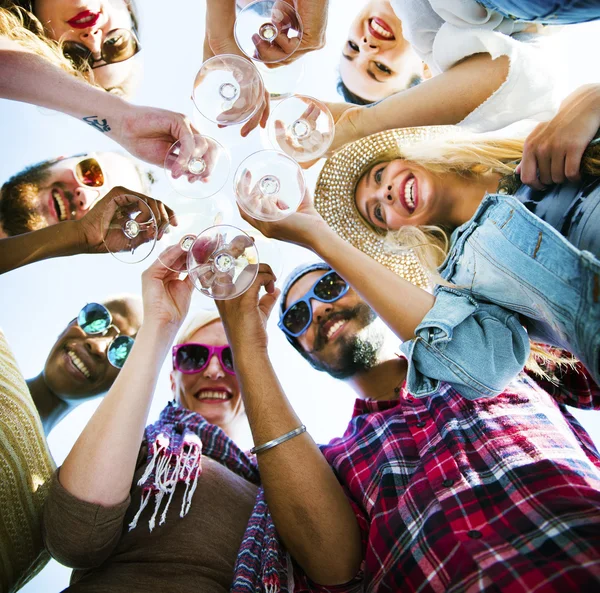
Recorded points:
266,110
529,169
267,302
573,163
251,123
544,160
557,166
169,257
185,135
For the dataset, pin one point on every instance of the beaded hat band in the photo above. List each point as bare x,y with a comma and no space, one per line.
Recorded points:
334,196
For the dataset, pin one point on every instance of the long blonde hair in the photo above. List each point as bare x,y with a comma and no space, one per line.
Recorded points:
469,156
21,26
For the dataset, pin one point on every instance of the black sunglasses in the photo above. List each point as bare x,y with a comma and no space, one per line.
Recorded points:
118,46
298,316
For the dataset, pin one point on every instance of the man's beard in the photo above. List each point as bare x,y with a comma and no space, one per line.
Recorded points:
357,353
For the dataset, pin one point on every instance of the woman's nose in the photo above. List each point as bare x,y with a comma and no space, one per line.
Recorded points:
369,44
214,370
92,39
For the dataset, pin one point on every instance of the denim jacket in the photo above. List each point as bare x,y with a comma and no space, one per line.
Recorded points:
505,262
478,348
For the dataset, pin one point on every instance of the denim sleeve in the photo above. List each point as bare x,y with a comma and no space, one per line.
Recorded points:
477,348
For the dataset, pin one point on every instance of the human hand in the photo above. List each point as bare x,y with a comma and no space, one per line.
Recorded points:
245,317
553,151
313,14
309,141
166,297
97,233
205,153
148,133
301,228
263,206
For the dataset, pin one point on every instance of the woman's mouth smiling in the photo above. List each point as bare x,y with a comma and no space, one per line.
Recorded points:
379,29
84,19
213,396
408,194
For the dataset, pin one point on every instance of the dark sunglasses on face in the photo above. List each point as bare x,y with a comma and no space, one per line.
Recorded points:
118,46
297,318
96,319
193,358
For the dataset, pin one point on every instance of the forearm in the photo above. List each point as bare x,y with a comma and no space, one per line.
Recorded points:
400,304
309,507
220,21
445,99
56,240
30,78
100,467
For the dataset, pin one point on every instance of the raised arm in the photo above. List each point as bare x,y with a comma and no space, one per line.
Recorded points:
100,467
89,234
146,132
310,510
445,99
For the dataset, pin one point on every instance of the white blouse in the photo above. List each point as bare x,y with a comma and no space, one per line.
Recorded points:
443,32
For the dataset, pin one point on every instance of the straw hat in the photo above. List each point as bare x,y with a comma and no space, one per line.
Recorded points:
334,196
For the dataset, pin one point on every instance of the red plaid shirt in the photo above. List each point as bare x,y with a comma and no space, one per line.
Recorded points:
498,494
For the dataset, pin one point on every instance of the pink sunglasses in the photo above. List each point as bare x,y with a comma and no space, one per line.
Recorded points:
193,358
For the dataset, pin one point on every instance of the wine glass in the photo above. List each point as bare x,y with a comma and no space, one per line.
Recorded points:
228,90
269,185
192,216
222,262
198,170
131,233
302,127
268,31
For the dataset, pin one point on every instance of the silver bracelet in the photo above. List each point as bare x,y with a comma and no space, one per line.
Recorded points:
282,439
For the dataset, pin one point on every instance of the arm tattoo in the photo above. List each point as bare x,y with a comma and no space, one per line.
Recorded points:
93,121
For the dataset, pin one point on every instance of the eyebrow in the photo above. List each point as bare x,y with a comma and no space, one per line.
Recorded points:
349,58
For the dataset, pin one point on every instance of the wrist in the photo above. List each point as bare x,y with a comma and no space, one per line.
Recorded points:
318,237
158,330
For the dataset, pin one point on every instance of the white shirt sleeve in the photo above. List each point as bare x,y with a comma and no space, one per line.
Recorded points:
529,91
444,33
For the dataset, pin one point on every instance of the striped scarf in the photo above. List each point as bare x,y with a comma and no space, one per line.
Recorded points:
176,443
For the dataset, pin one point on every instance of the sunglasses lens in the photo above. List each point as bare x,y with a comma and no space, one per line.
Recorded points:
94,318
296,318
119,350
89,173
191,358
227,358
330,287
79,54
119,46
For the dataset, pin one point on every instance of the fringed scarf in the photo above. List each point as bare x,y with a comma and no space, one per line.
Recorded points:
176,443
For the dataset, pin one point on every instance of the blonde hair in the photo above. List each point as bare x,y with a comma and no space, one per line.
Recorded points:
467,155
470,156
196,322
23,27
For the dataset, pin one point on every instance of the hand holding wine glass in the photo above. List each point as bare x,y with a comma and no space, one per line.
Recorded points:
103,225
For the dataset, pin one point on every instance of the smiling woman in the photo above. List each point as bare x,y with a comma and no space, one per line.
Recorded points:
376,59
97,38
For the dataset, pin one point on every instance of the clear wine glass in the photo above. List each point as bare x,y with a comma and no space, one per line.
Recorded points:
192,217
302,127
131,233
268,31
228,90
223,262
199,170
269,185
